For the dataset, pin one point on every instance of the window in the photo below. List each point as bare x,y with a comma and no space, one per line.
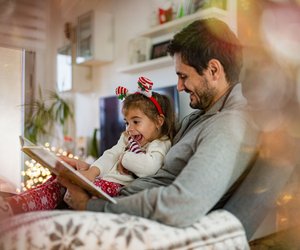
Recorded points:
64,68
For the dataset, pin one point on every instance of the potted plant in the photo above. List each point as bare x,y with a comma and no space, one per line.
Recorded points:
43,117
44,114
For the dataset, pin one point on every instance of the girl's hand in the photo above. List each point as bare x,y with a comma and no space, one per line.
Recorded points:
77,164
122,170
91,173
120,167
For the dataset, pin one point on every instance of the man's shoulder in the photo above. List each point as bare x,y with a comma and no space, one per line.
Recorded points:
189,116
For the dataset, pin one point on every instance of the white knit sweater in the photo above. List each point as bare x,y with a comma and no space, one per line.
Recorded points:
140,164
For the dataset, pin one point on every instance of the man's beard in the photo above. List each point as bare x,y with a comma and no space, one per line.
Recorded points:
206,96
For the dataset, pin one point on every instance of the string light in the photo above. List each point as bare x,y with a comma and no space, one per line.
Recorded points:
35,174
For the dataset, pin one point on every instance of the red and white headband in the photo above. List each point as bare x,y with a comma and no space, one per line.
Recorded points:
144,87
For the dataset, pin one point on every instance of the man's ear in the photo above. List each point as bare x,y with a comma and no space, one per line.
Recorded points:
215,68
160,120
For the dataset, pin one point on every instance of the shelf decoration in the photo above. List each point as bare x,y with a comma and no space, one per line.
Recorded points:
139,50
185,7
165,15
159,50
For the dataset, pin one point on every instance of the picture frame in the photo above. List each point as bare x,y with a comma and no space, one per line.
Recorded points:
159,49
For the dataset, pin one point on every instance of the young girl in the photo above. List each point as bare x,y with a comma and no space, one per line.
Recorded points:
140,151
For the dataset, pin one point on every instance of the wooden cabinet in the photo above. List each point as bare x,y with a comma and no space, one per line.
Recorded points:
167,30
94,43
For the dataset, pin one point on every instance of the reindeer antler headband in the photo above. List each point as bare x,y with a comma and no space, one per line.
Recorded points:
144,87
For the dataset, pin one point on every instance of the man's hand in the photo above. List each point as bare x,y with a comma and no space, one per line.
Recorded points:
77,164
77,197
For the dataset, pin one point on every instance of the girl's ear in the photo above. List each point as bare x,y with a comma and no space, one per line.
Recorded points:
160,121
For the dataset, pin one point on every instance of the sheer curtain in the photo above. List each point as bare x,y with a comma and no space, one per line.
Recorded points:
11,115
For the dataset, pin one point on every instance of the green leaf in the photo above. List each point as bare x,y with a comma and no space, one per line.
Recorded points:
44,114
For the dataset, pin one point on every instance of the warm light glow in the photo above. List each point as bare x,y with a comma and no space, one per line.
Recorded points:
35,173
283,219
284,199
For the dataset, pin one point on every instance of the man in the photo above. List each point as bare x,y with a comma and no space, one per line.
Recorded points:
214,144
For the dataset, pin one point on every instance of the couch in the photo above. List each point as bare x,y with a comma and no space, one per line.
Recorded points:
245,217
63,229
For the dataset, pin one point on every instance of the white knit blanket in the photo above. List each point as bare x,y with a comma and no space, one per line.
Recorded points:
66,229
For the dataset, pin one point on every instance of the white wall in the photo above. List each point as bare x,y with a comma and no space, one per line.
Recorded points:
130,18
10,110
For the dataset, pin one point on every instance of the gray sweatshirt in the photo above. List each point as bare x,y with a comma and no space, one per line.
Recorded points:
210,152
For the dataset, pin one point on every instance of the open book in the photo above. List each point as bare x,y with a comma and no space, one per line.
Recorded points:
60,168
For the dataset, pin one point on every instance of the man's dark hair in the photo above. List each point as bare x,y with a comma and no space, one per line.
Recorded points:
208,39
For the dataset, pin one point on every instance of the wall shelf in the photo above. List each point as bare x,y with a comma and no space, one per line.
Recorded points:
176,25
148,65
